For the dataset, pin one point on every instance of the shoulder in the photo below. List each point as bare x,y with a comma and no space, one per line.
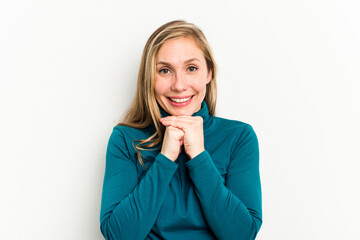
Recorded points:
123,137
237,133
127,132
231,125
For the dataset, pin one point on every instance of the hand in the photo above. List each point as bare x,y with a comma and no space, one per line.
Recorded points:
173,140
192,127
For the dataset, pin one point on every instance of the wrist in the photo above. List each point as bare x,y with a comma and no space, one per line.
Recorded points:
169,156
195,153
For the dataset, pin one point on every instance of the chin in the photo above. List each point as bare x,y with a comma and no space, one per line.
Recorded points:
183,112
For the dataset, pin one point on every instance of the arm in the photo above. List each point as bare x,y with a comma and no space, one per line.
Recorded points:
128,208
232,210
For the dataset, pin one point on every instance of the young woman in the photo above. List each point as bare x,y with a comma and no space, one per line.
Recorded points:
173,169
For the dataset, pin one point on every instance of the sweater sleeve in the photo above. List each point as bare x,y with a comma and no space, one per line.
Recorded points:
129,208
232,208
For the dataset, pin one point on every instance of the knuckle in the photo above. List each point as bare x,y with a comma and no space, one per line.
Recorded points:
199,120
173,130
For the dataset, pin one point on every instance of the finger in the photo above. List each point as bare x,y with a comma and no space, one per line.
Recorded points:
185,119
182,125
176,118
181,122
178,132
182,119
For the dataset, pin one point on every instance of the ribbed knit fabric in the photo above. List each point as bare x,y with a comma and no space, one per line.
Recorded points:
216,195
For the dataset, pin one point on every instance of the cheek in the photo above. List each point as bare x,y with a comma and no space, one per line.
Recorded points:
160,88
200,84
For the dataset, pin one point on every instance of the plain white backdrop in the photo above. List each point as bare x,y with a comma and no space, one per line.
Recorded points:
289,68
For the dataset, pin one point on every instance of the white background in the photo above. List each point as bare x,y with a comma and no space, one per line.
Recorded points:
289,68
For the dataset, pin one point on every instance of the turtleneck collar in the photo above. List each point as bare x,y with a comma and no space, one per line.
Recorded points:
203,112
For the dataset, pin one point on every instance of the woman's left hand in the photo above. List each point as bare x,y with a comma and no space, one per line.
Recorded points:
193,132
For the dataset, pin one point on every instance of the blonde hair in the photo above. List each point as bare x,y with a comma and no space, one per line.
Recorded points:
144,109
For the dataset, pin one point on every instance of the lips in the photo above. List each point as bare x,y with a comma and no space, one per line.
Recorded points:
180,99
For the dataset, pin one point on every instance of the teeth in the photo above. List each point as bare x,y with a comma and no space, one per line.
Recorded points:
180,100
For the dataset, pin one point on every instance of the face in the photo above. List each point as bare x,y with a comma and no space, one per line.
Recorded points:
181,77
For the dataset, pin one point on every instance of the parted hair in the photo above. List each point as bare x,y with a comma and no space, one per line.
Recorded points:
144,109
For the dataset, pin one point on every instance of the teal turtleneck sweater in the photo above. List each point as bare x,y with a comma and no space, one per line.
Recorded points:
215,195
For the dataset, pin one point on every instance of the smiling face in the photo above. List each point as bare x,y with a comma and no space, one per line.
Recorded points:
181,77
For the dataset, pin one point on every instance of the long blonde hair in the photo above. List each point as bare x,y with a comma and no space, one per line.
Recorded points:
144,109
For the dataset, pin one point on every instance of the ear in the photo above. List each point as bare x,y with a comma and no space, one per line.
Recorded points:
209,76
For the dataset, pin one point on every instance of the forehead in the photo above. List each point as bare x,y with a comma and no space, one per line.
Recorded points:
180,49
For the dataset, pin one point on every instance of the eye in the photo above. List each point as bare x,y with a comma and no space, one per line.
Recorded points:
164,71
192,69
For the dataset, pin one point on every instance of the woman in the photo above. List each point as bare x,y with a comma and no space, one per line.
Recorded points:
173,169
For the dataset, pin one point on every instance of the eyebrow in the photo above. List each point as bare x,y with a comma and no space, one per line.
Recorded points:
187,61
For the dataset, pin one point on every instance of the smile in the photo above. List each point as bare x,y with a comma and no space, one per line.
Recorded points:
180,100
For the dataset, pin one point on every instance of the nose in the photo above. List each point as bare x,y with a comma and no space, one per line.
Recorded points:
179,83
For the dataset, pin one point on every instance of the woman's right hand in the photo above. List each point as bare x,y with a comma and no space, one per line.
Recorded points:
173,140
